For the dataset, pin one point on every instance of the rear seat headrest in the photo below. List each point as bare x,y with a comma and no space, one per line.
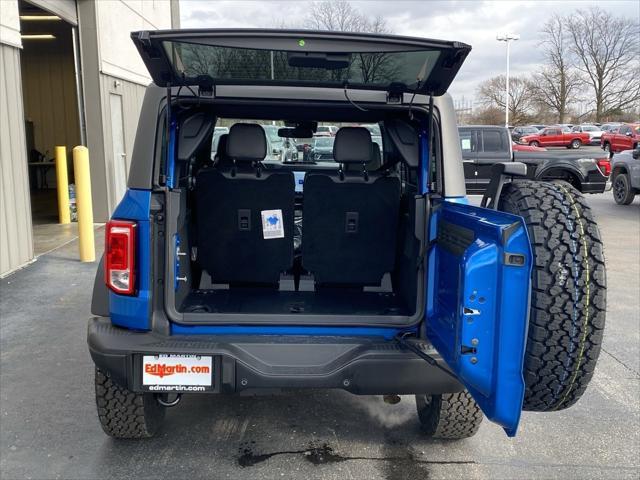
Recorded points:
246,143
352,145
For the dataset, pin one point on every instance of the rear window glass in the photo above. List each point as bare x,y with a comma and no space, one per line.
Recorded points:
247,65
493,141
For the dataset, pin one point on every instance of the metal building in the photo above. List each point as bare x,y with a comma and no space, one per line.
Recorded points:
69,75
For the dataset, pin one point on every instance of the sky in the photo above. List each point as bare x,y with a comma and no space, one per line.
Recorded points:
472,22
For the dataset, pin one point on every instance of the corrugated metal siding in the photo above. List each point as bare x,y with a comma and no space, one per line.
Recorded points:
16,237
132,96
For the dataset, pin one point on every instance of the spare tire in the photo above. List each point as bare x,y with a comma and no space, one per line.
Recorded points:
568,295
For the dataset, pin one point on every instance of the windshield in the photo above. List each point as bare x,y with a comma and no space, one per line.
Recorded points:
272,133
324,142
590,128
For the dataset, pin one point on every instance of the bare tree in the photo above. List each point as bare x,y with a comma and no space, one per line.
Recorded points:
607,54
555,85
491,95
340,15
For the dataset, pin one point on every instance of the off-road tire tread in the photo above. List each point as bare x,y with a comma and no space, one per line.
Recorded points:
125,414
450,416
568,298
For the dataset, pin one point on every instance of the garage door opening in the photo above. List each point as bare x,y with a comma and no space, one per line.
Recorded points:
51,107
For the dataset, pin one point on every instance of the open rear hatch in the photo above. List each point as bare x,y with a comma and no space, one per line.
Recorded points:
210,57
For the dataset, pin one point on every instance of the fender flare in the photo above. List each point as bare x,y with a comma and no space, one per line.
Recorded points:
100,297
560,165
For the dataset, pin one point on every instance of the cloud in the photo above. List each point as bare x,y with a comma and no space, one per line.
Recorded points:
472,22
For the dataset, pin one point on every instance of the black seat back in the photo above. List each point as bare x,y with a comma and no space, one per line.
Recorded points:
350,218
231,198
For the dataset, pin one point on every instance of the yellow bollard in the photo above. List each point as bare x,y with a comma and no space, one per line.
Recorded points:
62,179
84,204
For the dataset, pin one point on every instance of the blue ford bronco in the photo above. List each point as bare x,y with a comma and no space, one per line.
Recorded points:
231,271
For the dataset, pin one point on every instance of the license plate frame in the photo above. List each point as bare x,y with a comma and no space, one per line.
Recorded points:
173,373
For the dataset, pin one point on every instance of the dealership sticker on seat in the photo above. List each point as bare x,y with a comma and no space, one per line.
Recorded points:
177,373
272,226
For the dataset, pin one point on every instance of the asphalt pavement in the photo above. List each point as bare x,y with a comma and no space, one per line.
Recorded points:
49,428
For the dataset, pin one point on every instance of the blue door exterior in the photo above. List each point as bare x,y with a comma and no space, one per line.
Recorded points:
478,304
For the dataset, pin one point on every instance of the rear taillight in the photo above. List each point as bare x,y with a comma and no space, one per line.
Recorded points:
604,165
120,256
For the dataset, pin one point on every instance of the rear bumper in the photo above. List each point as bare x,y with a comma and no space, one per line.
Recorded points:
596,187
366,366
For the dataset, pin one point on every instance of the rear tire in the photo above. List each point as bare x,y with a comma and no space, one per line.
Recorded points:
450,416
607,149
125,414
623,194
568,297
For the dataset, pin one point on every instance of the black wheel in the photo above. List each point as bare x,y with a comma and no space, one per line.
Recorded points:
575,144
568,297
125,414
534,143
623,194
449,416
607,148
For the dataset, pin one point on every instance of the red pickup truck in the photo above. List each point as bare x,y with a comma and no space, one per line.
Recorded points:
626,137
557,137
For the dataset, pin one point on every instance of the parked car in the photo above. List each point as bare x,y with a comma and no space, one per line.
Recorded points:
609,127
279,149
626,137
322,149
625,175
326,129
396,285
595,133
560,136
519,147
483,146
518,132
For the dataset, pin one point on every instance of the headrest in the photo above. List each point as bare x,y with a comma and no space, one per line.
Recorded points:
246,143
352,145
376,159
372,166
221,151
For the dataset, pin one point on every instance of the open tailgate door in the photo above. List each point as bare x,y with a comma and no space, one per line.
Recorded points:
478,304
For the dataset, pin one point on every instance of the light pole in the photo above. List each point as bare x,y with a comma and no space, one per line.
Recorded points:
507,38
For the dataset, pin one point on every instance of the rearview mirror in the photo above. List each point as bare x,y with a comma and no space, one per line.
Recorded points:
298,132
628,134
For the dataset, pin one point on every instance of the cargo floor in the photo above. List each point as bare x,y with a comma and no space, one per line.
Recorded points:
266,301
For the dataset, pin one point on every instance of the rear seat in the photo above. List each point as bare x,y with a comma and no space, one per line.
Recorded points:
350,218
231,199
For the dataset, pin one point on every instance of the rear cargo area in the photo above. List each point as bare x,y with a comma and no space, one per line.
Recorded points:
267,237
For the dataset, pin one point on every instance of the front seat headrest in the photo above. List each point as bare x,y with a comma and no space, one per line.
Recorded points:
246,143
352,145
221,151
